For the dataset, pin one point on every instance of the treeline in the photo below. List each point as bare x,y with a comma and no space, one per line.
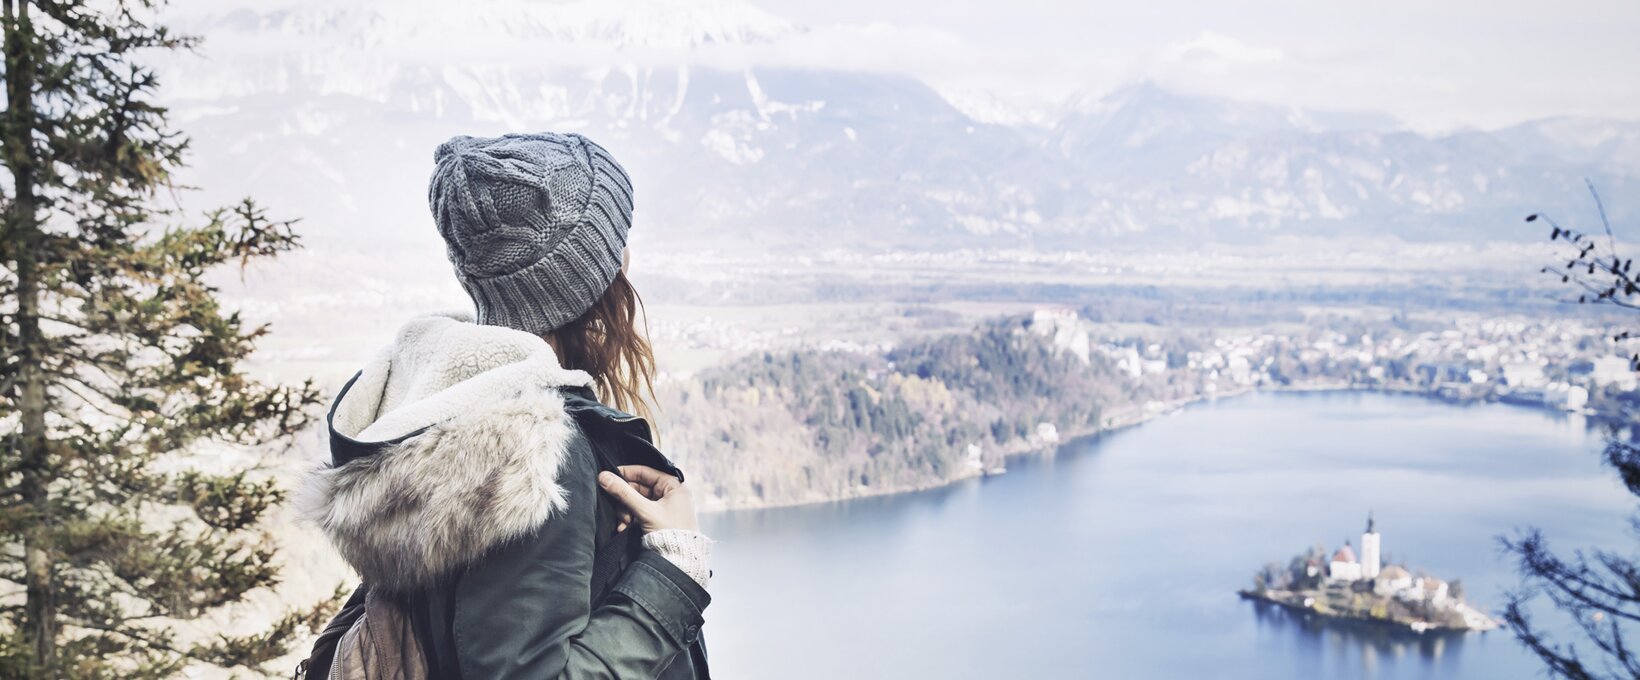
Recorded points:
810,425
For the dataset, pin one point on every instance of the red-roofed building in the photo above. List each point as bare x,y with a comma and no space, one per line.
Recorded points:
1344,566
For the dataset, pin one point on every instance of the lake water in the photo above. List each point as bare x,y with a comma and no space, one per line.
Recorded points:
1119,557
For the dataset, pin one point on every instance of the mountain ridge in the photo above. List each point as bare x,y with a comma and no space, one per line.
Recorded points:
767,157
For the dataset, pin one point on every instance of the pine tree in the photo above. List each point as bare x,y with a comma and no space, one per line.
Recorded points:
116,359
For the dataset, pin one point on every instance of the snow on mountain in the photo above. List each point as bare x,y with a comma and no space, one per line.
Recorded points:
1592,141
1228,168
333,114
986,107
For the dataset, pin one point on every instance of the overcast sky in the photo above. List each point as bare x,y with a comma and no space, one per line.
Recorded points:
1435,64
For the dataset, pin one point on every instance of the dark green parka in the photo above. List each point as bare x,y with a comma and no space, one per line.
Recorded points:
462,486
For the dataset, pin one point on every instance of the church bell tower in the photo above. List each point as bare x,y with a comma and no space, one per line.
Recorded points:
1369,550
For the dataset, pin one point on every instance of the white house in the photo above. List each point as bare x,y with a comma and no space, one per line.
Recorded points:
1524,376
1431,588
1566,397
1344,566
1613,370
1393,579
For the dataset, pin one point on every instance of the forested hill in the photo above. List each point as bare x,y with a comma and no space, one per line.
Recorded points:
811,425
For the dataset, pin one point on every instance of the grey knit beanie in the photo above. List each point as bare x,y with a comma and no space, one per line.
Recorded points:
534,224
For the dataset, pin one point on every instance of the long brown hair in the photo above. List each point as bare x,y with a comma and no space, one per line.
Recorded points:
607,342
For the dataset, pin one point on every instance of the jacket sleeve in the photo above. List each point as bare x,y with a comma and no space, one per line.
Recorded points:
523,611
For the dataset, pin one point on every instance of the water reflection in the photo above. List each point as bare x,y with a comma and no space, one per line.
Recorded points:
1111,558
1374,642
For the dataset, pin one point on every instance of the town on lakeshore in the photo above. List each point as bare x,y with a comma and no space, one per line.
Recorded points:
1359,587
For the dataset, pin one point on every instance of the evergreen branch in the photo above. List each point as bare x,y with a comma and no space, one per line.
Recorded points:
251,651
66,322
109,367
88,150
139,636
111,400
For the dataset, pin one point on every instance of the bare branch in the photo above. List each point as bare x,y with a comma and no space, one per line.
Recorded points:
1604,221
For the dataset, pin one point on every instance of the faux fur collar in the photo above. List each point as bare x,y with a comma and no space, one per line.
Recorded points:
465,430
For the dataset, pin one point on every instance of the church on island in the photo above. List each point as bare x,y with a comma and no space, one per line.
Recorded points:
1351,585
1392,580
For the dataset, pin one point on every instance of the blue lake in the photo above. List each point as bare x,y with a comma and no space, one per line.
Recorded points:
1119,556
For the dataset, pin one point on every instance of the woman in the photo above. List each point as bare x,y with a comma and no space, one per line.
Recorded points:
477,482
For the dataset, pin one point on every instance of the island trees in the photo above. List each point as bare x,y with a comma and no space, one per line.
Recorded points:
115,358
1599,589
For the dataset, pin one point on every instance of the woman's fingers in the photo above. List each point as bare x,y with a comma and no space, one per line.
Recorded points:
644,489
656,499
657,482
623,492
642,474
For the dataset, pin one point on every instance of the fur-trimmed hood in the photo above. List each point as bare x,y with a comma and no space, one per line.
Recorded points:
445,445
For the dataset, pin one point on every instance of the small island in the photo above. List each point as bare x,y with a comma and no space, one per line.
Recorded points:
1361,589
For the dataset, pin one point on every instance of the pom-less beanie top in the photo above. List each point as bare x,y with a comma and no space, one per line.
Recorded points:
534,224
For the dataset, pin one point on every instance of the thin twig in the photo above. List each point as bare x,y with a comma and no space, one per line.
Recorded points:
1601,206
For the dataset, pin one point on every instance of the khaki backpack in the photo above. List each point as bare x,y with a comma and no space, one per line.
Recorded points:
371,639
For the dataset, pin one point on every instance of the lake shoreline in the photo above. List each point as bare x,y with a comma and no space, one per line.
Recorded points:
1130,548
1285,600
1140,414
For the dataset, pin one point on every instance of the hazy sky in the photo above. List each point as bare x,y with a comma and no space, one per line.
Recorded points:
1436,64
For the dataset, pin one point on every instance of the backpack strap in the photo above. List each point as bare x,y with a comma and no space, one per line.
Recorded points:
318,663
381,645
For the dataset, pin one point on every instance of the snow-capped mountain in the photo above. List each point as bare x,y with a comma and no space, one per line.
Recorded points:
1224,168
333,114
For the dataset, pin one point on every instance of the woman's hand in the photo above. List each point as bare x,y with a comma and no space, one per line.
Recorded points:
655,499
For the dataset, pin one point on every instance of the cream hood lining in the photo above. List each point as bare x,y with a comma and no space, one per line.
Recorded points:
440,366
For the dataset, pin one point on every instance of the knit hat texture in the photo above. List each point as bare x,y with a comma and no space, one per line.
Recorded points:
534,224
